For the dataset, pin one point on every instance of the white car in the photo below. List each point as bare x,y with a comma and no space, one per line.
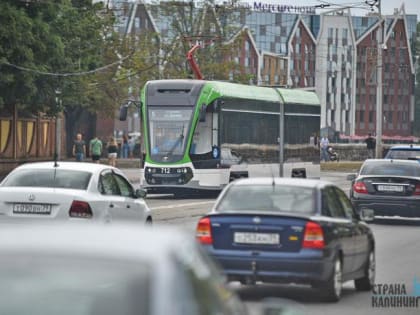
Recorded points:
50,191
76,269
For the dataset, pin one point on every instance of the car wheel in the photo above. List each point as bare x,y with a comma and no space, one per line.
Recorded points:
331,289
366,283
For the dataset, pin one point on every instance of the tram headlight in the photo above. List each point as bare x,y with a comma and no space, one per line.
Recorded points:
151,170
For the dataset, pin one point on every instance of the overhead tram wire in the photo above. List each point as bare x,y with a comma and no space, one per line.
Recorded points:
68,74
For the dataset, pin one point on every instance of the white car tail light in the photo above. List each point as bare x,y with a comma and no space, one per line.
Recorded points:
80,209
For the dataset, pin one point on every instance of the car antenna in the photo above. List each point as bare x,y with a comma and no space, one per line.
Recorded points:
273,183
55,159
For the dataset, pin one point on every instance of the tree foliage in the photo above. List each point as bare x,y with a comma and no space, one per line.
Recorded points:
46,48
211,26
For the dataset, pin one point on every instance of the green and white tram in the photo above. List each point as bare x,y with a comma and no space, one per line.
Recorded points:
200,135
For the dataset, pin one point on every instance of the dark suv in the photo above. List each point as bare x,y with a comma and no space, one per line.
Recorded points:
404,152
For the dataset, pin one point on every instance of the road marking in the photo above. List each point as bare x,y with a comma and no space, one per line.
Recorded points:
183,205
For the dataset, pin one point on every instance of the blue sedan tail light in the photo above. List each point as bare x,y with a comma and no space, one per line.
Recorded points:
203,231
313,236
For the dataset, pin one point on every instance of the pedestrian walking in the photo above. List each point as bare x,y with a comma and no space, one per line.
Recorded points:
370,146
95,148
112,148
324,144
79,148
124,147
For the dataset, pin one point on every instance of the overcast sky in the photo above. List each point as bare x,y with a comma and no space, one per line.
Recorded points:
411,6
387,6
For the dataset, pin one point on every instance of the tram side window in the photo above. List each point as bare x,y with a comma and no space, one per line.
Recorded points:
252,135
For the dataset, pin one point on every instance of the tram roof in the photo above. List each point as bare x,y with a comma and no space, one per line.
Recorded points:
227,89
289,96
296,96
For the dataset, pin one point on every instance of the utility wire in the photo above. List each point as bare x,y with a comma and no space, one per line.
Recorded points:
68,74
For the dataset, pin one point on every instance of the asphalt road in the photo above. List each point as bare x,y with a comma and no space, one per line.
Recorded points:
397,255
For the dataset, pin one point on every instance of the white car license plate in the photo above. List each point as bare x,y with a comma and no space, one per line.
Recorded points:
256,238
31,208
390,188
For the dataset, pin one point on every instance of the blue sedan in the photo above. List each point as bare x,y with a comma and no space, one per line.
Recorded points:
290,230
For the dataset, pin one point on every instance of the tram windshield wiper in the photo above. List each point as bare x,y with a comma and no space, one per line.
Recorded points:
177,142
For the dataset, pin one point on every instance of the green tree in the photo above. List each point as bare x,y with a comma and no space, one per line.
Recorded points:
206,23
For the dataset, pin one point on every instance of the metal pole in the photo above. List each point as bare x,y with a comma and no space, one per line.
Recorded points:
379,110
57,124
281,140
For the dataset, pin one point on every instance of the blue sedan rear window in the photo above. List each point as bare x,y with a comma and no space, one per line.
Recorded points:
268,198
53,178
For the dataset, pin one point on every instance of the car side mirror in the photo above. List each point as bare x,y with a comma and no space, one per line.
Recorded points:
202,113
141,193
351,177
367,215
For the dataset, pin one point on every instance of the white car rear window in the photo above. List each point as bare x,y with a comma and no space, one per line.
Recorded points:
53,178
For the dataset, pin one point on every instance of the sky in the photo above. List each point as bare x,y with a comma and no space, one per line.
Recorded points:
387,6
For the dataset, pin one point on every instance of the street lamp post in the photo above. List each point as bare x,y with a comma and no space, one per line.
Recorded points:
379,109
58,103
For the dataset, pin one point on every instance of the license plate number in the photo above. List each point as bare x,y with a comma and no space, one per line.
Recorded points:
256,238
31,208
390,188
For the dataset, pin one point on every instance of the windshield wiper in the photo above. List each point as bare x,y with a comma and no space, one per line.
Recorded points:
178,140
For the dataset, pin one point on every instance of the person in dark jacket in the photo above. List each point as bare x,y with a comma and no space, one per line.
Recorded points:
112,148
370,146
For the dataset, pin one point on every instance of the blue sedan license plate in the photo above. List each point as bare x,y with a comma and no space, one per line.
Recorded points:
256,238
31,208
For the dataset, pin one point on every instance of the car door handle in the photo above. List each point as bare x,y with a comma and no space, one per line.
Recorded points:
111,205
128,206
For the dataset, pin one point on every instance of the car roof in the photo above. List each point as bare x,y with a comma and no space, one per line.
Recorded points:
119,241
80,166
392,161
287,181
405,147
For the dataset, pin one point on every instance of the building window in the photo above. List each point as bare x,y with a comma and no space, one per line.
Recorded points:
263,30
404,117
283,31
362,116
371,116
330,33
345,33
298,32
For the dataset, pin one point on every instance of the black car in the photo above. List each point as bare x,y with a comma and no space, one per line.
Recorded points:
390,188
289,230
404,152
